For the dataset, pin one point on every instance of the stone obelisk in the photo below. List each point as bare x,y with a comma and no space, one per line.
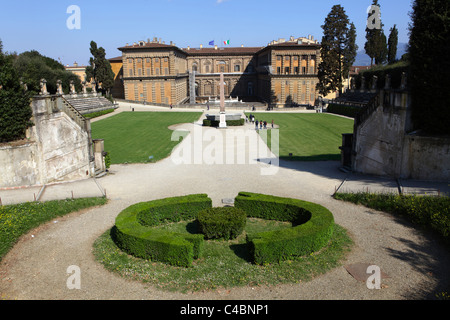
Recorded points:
223,122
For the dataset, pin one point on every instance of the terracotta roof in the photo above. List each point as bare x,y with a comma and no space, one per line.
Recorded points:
148,45
294,44
222,50
116,59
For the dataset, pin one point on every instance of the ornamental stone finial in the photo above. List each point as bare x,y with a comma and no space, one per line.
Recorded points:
59,89
43,85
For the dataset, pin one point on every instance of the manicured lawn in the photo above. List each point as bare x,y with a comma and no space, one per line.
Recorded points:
139,137
18,219
308,136
223,264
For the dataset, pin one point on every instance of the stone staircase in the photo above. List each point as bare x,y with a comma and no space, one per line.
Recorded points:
85,105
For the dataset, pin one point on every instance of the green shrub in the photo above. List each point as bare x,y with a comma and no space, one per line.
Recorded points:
134,235
221,223
230,123
344,110
15,110
427,211
312,226
98,113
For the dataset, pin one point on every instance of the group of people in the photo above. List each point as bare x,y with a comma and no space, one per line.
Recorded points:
261,124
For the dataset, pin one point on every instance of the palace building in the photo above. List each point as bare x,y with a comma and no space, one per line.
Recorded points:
283,73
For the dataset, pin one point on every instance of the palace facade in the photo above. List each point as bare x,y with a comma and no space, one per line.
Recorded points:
283,73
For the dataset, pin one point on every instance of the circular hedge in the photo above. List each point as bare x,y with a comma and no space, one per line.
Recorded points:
222,223
133,233
312,226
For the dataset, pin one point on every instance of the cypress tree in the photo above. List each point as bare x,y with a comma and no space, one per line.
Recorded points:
99,68
392,45
429,51
338,51
376,46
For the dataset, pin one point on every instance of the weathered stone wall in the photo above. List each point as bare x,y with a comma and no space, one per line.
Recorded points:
59,147
19,165
426,158
383,146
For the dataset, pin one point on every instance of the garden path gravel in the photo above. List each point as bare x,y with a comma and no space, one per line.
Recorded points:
36,268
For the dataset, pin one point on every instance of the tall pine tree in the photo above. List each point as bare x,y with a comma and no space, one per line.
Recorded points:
338,51
392,45
99,68
429,51
376,46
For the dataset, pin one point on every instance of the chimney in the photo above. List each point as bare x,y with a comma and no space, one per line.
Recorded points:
242,45
171,43
160,40
189,48
215,47
201,46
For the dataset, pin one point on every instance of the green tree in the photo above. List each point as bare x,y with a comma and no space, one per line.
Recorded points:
15,110
392,45
32,67
338,51
429,50
99,68
376,46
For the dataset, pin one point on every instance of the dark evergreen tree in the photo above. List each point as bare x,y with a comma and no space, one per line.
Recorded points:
429,51
32,67
376,46
99,68
15,110
338,51
392,45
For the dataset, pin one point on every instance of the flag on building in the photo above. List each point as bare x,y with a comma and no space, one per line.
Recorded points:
211,43
226,42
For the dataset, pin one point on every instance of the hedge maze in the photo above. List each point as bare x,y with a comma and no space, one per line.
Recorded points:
135,234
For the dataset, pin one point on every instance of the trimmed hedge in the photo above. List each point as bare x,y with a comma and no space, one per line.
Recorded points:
134,235
222,223
312,230
230,123
344,110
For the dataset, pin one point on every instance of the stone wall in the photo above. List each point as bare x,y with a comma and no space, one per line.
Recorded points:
58,148
384,144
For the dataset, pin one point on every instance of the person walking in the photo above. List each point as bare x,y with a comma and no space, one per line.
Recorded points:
256,124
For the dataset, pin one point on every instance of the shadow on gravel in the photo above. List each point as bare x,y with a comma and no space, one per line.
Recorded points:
431,258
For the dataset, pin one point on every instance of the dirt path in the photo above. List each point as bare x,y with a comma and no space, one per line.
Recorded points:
36,268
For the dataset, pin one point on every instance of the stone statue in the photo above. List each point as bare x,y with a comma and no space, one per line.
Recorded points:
72,87
403,83
387,82
43,85
59,89
374,82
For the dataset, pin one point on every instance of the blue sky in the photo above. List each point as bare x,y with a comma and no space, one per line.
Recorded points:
41,25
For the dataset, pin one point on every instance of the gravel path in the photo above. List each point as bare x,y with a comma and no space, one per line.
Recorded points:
36,268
